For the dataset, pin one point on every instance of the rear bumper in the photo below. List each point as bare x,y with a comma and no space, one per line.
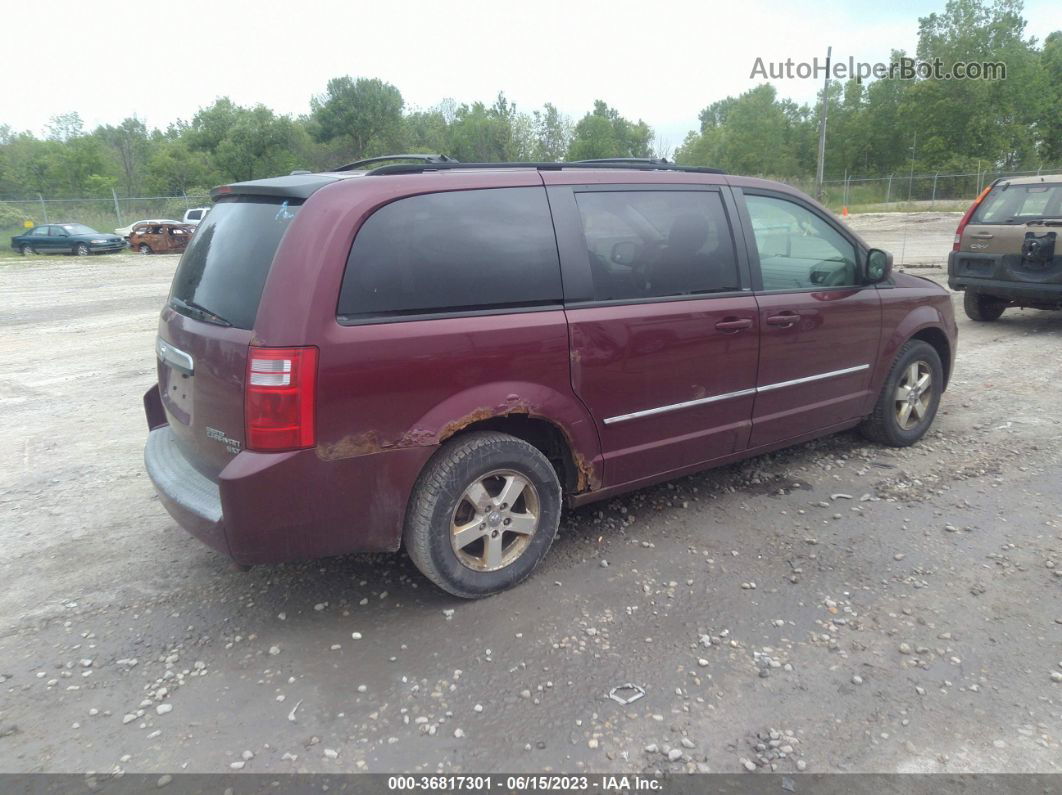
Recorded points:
278,507
963,274
191,498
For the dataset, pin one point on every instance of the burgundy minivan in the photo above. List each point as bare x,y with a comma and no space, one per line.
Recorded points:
441,354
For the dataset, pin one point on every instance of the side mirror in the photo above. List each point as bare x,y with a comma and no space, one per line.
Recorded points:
878,266
624,252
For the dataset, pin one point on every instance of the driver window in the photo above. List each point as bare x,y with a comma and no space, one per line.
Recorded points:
657,243
799,250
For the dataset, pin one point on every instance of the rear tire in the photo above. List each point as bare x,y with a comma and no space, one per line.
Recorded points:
82,249
901,415
982,308
483,514
26,250
144,248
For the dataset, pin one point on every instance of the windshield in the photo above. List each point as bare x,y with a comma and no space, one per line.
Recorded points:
224,268
79,229
1018,204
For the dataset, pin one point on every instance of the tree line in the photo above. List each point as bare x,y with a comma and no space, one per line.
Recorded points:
875,127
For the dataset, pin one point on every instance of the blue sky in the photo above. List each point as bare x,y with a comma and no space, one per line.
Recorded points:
662,62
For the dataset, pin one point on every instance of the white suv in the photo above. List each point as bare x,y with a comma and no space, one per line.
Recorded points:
195,215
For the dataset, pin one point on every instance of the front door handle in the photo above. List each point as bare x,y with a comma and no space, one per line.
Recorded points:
733,324
784,319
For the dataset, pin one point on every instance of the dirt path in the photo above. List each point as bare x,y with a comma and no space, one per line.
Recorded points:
834,607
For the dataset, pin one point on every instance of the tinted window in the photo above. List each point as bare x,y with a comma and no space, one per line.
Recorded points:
798,249
78,229
1019,203
453,251
225,266
658,243
40,231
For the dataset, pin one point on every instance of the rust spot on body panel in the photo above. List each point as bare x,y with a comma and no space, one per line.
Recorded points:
368,443
349,447
586,480
513,405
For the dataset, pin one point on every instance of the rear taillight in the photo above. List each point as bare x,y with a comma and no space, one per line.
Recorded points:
966,218
280,399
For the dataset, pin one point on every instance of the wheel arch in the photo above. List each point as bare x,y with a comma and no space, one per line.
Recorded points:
554,423
546,437
936,337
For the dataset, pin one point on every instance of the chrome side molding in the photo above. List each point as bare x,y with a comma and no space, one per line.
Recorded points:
810,378
636,415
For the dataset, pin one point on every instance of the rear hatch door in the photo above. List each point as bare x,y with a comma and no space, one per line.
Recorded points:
1013,235
207,325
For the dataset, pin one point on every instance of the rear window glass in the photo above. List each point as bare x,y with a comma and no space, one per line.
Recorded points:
225,266
1010,204
454,251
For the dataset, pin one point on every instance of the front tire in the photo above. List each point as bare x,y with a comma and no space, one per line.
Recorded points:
82,249
909,399
483,514
982,308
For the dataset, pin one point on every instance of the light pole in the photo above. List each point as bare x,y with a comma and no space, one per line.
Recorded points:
822,127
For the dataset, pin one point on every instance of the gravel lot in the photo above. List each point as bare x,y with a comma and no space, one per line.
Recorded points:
833,607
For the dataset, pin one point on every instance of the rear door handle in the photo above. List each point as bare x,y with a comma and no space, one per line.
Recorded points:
735,324
784,319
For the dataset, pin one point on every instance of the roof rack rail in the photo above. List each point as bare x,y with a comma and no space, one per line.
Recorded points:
655,161
632,164
426,158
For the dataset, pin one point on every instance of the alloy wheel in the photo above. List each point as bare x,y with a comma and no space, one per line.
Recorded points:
914,394
494,520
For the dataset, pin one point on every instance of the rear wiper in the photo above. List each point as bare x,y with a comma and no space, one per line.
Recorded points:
199,312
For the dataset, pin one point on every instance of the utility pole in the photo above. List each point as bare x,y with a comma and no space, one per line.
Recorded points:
117,209
822,126
914,149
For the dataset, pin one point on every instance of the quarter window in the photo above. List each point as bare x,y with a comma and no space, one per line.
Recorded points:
657,243
453,251
798,249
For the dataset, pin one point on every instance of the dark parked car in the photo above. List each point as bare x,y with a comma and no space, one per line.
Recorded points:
160,238
66,239
1006,251
442,355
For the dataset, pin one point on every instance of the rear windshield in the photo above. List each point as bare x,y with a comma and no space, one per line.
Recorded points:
1016,204
223,270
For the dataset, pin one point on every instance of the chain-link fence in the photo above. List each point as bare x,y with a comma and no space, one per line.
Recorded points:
900,191
910,191
102,214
